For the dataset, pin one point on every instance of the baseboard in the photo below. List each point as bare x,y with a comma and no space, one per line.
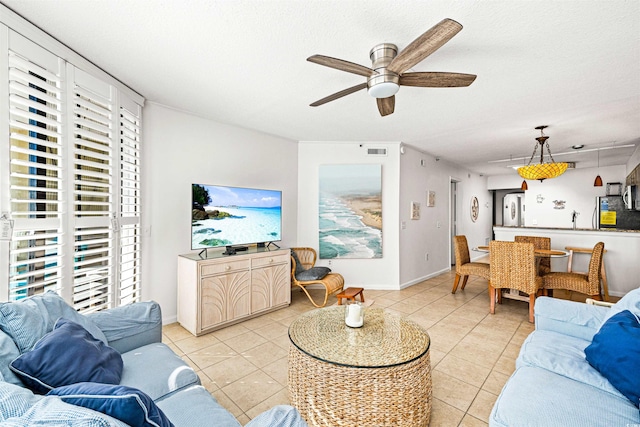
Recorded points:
169,320
423,278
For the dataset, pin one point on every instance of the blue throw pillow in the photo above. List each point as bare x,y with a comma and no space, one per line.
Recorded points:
69,354
615,353
8,352
127,404
28,320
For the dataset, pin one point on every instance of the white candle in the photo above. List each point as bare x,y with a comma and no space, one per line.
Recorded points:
354,313
354,316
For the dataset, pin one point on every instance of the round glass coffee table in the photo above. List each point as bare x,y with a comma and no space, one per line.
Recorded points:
376,375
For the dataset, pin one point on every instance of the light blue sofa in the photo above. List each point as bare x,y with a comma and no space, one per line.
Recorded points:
553,384
135,331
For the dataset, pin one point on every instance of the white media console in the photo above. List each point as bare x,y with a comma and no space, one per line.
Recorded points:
217,290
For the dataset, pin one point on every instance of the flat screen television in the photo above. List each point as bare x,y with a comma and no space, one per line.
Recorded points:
233,217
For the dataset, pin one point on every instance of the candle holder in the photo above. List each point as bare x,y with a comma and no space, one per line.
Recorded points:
354,314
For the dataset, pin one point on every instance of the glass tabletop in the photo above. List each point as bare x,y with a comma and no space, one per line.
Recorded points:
384,340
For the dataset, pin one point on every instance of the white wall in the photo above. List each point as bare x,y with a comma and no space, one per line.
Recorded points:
379,273
575,187
180,149
419,173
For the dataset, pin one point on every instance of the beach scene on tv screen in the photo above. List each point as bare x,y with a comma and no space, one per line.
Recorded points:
227,216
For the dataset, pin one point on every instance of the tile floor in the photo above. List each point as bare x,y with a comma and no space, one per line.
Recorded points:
472,352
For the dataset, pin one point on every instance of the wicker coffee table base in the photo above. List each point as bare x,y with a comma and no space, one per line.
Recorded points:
332,395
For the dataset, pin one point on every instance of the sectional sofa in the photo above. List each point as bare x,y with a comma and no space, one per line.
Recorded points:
108,368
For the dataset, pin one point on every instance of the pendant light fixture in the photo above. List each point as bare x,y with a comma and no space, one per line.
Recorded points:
598,181
542,170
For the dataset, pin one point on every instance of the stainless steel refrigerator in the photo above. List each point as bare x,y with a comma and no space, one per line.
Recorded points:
513,210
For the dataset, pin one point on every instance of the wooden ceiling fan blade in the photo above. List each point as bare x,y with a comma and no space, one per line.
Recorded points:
340,94
432,40
386,105
341,64
437,79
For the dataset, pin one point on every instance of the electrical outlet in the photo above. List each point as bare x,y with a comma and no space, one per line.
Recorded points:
329,263
534,222
403,225
438,224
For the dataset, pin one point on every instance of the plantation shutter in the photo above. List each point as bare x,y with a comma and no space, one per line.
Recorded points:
130,114
69,177
92,180
35,170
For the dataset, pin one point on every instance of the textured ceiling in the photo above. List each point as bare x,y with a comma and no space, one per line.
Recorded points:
572,65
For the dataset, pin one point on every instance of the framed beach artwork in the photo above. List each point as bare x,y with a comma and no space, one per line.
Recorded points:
350,211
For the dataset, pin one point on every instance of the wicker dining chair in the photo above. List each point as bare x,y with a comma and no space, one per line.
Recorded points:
464,266
513,266
584,283
539,243
332,282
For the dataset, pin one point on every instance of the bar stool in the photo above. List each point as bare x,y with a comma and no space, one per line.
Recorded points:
603,273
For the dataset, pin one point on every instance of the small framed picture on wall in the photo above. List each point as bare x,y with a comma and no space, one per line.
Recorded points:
415,210
431,198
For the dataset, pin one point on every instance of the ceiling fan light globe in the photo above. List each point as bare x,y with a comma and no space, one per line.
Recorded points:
384,90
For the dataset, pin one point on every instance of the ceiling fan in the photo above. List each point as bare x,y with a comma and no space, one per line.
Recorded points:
387,73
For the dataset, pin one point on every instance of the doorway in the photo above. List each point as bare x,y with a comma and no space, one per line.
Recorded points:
453,220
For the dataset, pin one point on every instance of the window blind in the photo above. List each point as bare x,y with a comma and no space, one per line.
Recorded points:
71,182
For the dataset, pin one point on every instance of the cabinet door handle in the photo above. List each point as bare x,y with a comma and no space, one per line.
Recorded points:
270,260
226,267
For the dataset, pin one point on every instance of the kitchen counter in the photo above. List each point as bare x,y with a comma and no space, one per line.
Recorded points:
621,259
606,230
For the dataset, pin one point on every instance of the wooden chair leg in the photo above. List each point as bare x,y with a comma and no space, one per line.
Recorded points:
456,280
326,296
464,282
605,286
532,303
311,298
498,295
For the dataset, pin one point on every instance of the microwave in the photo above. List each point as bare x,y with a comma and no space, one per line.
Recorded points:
631,197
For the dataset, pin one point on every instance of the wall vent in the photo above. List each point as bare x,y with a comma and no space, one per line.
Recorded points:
376,151
571,165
